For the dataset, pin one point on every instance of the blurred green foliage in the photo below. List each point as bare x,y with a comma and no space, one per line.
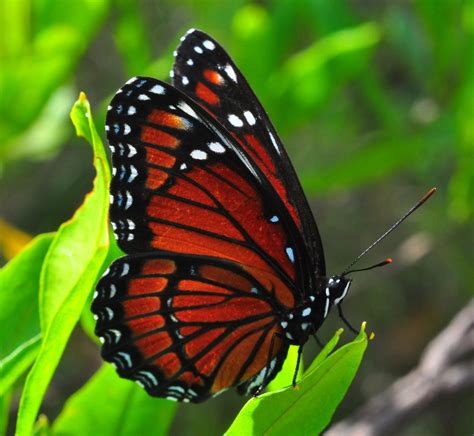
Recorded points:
371,98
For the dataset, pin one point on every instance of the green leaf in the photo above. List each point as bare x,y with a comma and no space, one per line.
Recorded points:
20,334
5,400
45,41
108,405
285,377
69,273
310,407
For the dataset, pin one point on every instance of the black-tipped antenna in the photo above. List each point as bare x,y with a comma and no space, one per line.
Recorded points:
387,261
390,230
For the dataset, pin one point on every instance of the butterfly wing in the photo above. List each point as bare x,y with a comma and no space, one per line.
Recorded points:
181,183
204,71
188,327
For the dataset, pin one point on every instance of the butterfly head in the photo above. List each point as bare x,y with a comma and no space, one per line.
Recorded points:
306,319
337,288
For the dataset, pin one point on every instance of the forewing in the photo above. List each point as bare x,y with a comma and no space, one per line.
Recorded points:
188,327
181,183
204,71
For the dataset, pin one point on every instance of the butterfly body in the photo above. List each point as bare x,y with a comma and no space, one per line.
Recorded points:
225,267
305,319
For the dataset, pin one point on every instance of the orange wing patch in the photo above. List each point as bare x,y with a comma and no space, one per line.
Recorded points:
205,94
168,119
213,77
158,137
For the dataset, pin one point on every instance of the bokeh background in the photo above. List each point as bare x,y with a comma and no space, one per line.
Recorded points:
374,101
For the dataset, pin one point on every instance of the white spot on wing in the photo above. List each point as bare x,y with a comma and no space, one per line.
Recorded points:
130,80
190,62
127,358
209,45
117,335
216,147
198,49
235,120
290,254
126,129
113,291
133,174
249,117
143,97
306,312
125,270
110,312
132,110
230,72
274,219
129,200
132,151
275,145
150,376
158,89
199,154
184,80
186,108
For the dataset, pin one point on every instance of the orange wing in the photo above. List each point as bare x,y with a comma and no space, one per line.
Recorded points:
182,184
189,327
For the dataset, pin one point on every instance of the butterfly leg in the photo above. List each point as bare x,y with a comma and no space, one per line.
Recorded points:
346,322
295,375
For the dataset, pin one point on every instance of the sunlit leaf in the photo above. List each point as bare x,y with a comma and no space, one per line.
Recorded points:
20,334
108,405
69,272
310,407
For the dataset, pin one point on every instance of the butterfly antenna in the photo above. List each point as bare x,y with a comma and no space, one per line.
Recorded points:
390,230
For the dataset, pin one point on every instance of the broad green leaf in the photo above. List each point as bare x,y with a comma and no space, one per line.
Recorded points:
69,273
326,351
309,408
87,319
108,405
20,333
71,251
285,377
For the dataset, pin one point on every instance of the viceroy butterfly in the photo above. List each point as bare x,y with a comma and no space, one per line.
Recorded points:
225,267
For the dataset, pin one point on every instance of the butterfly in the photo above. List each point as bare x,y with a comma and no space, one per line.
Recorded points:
225,266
